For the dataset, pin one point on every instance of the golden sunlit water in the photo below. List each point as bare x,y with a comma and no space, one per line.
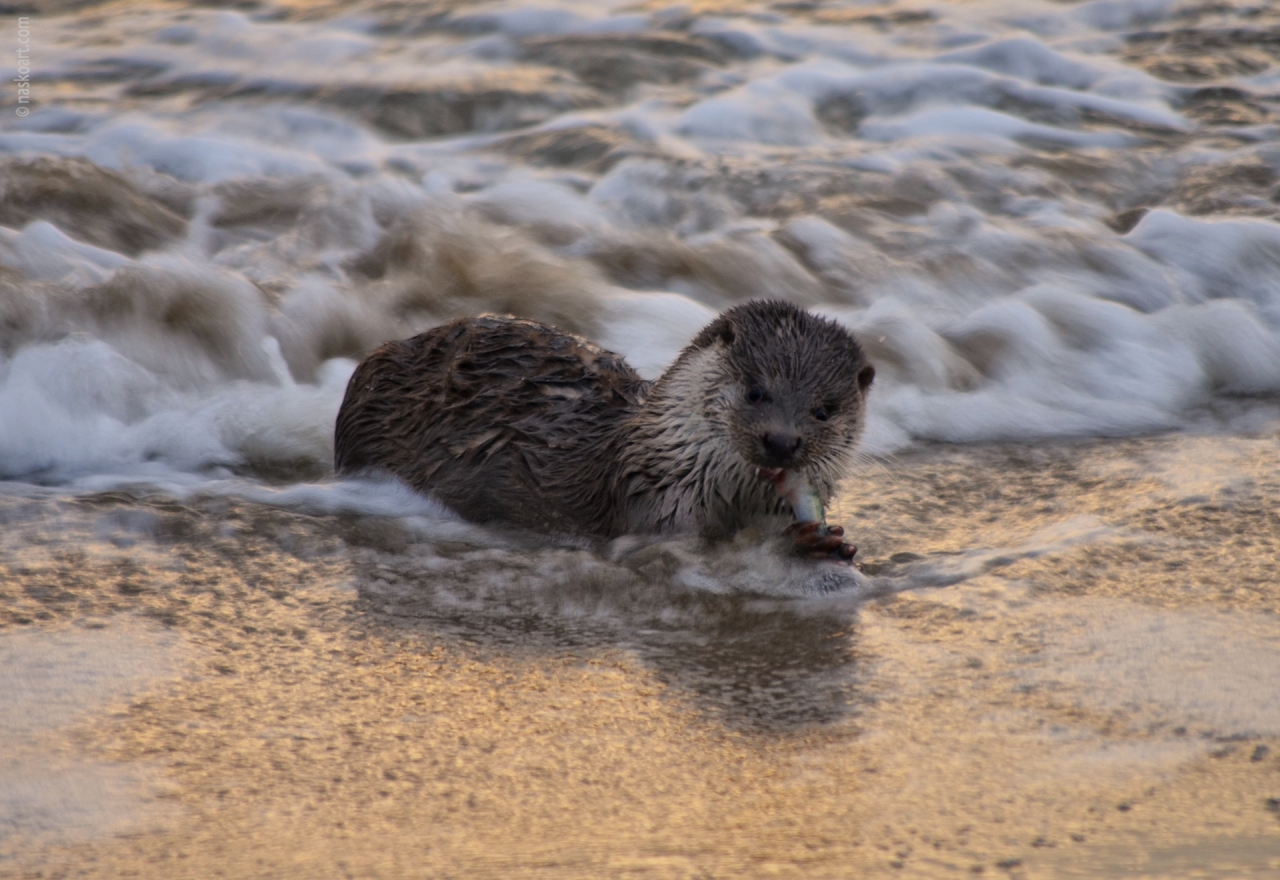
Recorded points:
1062,712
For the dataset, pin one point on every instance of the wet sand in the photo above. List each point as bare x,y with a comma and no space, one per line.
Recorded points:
1092,694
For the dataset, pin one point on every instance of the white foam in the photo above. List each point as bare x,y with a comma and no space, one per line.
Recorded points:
1238,352
1115,15
207,159
891,88
761,113
979,122
538,201
989,291
641,193
531,21
44,252
327,49
373,497
948,85
650,329
1054,364
1029,59
79,406
735,34
1216,258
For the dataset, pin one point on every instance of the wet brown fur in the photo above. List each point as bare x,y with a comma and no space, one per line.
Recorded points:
511,421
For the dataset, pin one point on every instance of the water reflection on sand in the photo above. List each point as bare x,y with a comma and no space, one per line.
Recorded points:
1105,708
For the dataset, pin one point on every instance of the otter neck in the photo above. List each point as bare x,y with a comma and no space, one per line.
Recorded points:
680,470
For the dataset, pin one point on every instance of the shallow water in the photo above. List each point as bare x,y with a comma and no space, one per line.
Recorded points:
1081,683
1053,225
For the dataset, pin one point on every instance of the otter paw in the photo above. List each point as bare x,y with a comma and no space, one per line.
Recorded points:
820,541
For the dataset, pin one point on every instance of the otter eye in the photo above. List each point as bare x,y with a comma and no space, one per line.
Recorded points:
821,414
755,394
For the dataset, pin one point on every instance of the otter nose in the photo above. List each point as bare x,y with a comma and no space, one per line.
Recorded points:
779,446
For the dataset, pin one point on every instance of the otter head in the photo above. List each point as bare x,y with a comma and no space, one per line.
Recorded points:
793,386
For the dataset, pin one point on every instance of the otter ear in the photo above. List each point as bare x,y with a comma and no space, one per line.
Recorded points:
865,375
728,332
720,330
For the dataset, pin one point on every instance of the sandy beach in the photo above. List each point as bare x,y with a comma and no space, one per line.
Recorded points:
1091,696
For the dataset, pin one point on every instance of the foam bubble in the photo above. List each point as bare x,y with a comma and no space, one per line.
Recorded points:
44,252
978,122
1216,258
80,406
650,329
1028,59
204,158
761,113
538,201
1115,15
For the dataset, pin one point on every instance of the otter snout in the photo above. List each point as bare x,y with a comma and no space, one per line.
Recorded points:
780,448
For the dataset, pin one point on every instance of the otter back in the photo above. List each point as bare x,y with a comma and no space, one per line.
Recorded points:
501,419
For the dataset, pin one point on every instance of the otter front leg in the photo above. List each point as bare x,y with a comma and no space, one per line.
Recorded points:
811,534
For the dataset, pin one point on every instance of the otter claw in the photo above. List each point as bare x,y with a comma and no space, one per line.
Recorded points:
819,541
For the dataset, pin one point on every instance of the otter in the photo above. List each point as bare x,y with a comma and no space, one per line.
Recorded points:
510,421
